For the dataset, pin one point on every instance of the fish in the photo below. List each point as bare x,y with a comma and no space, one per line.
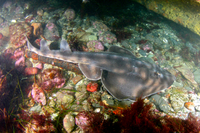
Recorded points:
123,75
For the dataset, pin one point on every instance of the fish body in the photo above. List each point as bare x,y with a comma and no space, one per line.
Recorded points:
122,74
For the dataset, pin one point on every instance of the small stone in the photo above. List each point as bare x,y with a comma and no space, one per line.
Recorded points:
87,106
64,98
177,105
107,99
81,88
40,12
36,108
197,76
92,37
187,73
76,79
81,96
197,108
30,71
1,20
68,123
189,106
160,103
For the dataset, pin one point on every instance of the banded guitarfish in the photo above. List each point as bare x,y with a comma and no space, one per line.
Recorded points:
123,75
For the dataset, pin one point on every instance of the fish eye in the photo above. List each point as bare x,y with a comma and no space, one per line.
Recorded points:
157,74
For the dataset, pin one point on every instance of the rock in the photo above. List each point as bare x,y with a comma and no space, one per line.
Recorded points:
51,32
87,106
81,88
81,96
95,99
68,123
160,103
36,108
197,108
63,98
177,105
1,20
95,46
187,73
178,96
197,76
30,71
189,106
107,99
76,79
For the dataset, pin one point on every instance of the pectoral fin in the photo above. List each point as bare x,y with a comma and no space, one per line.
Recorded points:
90,71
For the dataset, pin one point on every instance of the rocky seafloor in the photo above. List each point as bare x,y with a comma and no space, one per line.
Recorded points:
40,96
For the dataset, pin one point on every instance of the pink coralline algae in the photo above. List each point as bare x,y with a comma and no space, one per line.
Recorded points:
69,14
20,59
18,33
95,46
1,36
83,120
86,120
38,94
100,26
30,71
107,37
52,78
20,63
147,47
51,32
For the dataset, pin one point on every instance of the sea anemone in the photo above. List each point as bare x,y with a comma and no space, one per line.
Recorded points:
92,87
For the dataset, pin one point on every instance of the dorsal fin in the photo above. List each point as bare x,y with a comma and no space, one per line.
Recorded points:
120,50
44,46
64,46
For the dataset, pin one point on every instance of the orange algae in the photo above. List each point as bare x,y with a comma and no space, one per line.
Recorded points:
34,56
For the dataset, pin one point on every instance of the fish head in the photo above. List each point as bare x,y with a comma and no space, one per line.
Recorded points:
164,77
145,80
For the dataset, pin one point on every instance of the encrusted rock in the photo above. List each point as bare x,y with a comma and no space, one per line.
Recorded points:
81,96
189,106
187,73
76,79
160,103
177,105
69,122
63,98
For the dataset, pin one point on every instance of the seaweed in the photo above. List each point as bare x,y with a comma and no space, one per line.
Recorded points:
139,118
